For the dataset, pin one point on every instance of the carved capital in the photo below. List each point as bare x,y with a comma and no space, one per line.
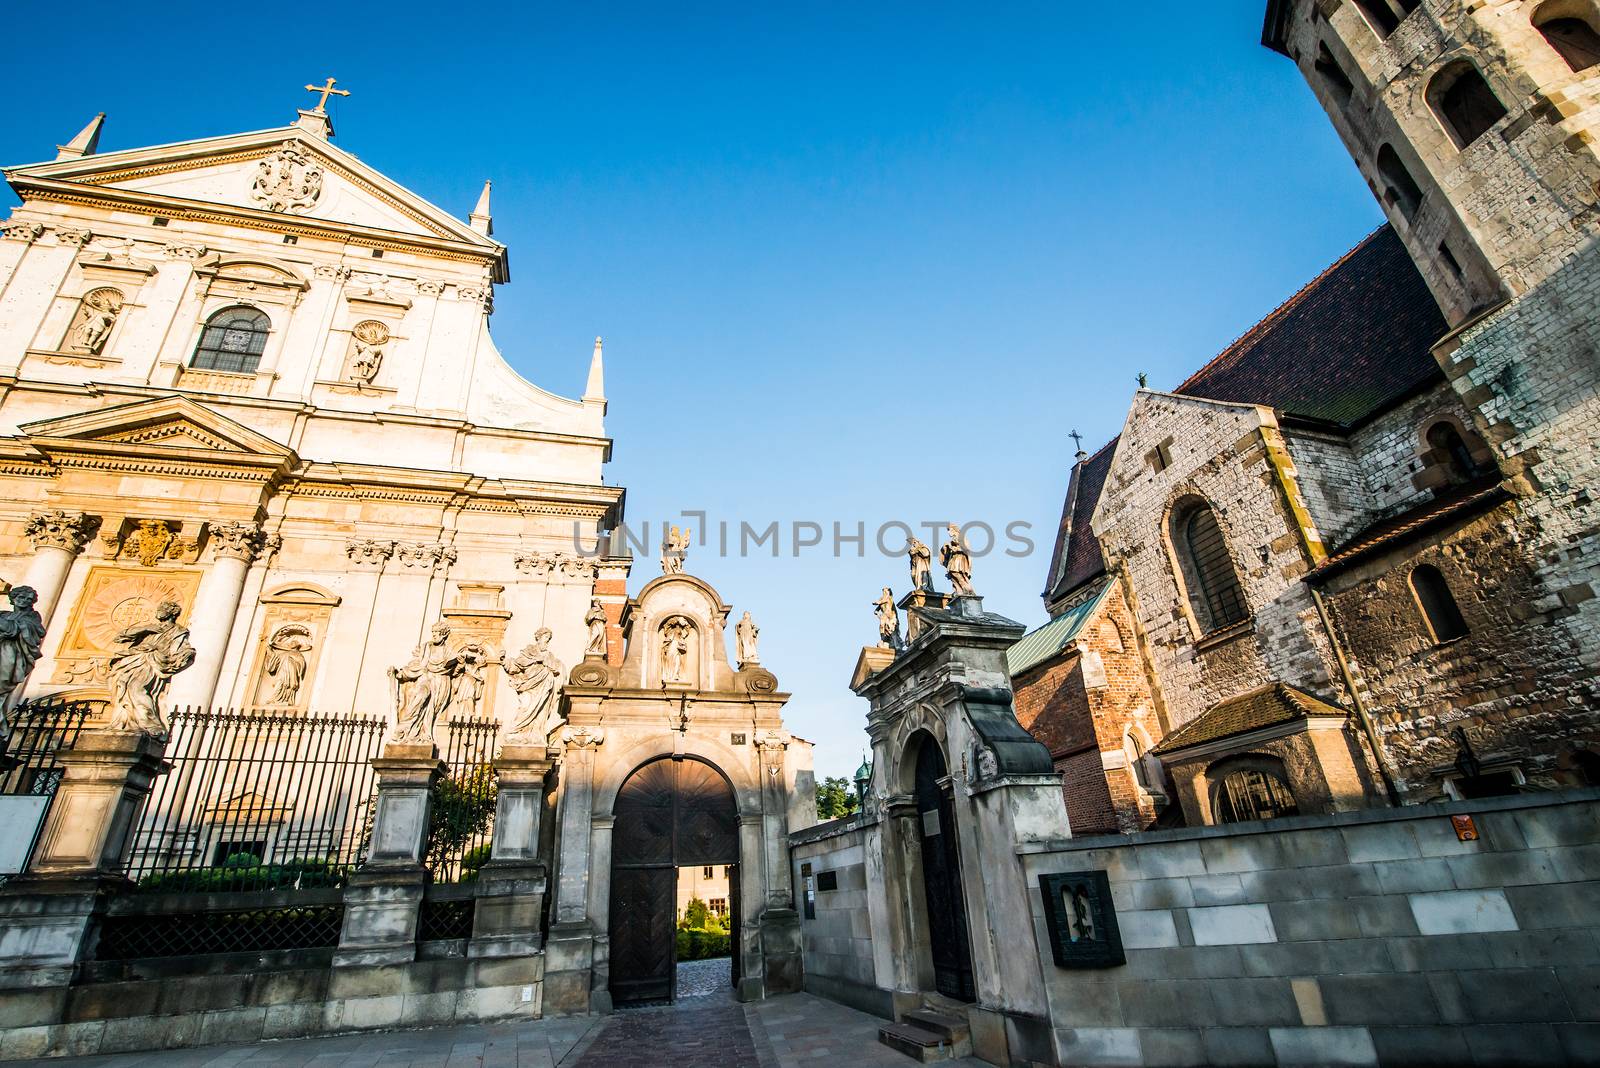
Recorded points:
242,541
21,231
772,744
483,295
563,565
420,555
366,552
338,272
582,737
183,252
61,530
430,287
73,235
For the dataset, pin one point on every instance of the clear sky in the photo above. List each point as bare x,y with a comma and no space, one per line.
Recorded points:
853,263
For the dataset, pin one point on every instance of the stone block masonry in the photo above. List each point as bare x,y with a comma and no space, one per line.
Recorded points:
1369,938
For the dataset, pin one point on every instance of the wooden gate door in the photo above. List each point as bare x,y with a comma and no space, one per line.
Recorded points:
670,813
941,873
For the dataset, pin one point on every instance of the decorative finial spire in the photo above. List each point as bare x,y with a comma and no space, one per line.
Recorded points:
595,391
85,143
480,218
315,120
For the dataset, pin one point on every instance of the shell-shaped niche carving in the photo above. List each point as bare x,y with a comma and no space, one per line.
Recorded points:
91,325
368,340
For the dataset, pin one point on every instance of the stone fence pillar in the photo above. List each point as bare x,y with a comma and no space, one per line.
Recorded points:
48,913
383,901
511,886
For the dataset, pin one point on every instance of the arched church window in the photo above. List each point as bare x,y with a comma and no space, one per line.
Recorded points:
1437,604
233,340
1464,103
1450,450
1206,566
1251,788
1400,189
1570,27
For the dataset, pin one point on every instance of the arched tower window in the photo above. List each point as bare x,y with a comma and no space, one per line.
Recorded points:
1437,603
1464,103
1450,450
233,340
1206,567
1400,189
1572,28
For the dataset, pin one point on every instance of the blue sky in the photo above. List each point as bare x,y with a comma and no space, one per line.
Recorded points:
854,263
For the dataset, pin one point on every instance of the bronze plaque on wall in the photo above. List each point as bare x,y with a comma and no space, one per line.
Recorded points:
1082,920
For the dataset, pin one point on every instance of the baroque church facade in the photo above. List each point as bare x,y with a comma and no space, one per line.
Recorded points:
1351,561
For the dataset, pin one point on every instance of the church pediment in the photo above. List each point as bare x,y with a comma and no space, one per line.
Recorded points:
283,172
174,423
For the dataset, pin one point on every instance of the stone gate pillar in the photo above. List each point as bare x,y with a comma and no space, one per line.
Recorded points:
48,913
511,886
383,900
569,951
782,972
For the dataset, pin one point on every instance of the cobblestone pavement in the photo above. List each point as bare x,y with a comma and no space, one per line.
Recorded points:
703,978
712,1031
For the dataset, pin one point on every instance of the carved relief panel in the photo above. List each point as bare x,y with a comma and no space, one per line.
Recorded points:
112,598
368,341
91,326
478,619
294,629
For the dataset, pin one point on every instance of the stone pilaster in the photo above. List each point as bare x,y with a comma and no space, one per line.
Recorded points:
511,886
58,537
46,915
569,952
383,900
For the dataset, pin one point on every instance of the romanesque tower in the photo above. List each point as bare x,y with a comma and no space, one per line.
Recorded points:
1473,122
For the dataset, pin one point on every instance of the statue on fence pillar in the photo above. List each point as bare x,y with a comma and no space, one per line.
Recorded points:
21,636
423,687
535,676
152,653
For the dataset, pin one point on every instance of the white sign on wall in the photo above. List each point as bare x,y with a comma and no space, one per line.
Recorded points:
20,816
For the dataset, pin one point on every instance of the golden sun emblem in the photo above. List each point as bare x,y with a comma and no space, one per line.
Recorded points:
123,603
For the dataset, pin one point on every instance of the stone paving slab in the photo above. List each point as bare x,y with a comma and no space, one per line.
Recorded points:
713,1031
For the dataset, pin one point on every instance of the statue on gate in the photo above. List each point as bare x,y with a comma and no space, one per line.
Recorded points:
423,686
888,621
152,653
957,563
535,676
21,637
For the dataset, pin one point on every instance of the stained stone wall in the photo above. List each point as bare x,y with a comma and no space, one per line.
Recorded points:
836,920
1373,937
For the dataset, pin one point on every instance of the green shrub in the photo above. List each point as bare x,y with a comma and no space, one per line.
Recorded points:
248,874
695,943
473,860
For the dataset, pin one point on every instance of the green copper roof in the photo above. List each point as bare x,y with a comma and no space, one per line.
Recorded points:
1035,647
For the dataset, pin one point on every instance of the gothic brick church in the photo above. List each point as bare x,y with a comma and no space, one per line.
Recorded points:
1351,561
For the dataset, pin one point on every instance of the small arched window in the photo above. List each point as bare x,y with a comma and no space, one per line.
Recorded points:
1400,189
233,340
1450,451
1251,788
1437,604
1464,103
1570,27
1214,592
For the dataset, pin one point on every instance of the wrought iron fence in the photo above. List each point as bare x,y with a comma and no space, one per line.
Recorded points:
257,800
462,818
132,936
39,730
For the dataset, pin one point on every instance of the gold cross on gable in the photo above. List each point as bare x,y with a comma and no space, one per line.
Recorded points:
326,91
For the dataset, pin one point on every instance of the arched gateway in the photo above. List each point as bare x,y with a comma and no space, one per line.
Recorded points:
673,758
670,814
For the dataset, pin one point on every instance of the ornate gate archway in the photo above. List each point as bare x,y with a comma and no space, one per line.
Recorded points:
673,812
950,943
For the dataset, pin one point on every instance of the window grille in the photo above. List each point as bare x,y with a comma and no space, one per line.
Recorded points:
1252,794
1218,593
233,340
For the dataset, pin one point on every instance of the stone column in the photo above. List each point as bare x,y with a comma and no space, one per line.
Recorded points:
569,952
383,900
58,537
46,914
511,886
234,546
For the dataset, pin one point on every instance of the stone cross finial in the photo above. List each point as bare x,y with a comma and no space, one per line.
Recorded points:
326,91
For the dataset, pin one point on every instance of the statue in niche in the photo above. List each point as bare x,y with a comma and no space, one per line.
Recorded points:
286,663
675,635
888,620
596,622
674,550
21,637
472,661
367,341
423,687
921,558
747,635
152,653
96,316
535,676
957,563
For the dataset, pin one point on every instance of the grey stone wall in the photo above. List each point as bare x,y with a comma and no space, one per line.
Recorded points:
1362,938
838,937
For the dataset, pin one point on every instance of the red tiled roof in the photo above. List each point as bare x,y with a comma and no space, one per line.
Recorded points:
1345,347
1267,706
1077,557
1456,503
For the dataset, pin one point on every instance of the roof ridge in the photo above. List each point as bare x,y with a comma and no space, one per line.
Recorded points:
1293,301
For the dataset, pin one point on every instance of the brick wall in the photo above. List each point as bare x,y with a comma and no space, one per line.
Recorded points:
1371,937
